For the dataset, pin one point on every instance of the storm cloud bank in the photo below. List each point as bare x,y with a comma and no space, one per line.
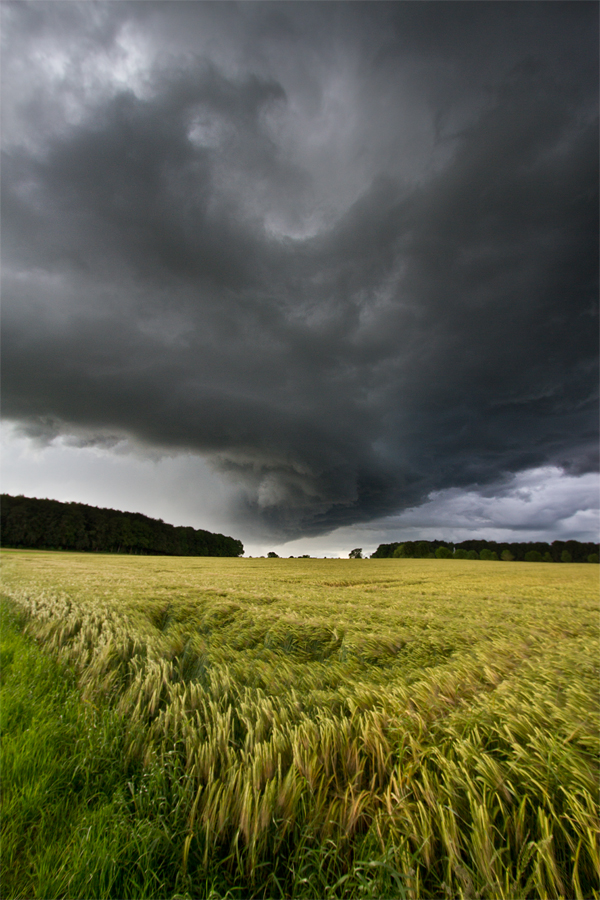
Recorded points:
346,252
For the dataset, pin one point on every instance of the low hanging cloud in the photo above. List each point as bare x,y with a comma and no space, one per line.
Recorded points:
527,506
346,254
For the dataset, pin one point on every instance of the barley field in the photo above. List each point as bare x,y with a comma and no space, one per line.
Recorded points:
207,728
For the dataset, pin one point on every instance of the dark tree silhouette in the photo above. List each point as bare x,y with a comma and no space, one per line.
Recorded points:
50,525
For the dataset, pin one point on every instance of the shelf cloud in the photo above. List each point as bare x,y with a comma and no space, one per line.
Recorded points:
347,253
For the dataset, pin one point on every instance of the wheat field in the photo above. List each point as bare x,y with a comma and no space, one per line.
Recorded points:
325,728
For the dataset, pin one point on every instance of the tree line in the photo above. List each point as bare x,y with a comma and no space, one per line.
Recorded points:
51,525
530,551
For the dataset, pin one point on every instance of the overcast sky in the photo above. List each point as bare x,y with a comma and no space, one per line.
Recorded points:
316,275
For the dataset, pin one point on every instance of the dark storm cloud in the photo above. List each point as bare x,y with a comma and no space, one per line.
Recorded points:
348,252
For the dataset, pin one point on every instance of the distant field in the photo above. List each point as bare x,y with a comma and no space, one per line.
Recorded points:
300,728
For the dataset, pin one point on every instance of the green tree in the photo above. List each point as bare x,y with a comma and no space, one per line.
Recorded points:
507,556
356,553
398,552
472,554
565,556
272,555
443,553
533,556
593,558
461,554
488,554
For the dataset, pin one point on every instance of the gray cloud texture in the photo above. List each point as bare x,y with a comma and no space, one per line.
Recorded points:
346,252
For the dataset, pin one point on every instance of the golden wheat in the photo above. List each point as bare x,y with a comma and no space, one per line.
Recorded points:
447,709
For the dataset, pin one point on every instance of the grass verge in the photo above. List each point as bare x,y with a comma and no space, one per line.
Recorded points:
66,824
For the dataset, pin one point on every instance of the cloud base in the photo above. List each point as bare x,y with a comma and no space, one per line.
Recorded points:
344,279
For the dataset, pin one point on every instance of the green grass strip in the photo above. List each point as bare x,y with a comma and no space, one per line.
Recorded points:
66,824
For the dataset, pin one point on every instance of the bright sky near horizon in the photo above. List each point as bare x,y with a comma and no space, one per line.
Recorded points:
315,275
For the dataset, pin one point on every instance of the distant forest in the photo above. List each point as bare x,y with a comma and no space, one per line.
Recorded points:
532,551
51,525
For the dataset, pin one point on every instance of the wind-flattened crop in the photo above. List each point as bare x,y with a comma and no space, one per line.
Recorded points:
436,725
